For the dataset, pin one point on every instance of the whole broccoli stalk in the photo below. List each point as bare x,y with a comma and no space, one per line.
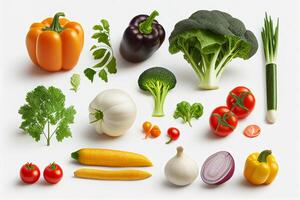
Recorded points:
209,40
158,81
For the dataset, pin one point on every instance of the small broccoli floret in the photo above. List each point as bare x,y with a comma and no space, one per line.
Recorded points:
158,81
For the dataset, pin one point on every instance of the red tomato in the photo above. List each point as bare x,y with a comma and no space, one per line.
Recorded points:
241,101
223,121
29,173
53,173
173,134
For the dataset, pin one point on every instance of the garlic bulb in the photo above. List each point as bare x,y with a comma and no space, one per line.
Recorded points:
181,169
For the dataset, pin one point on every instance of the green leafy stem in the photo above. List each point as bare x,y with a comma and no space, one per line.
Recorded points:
103,53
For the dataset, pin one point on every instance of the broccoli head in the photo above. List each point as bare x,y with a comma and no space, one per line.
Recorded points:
158,81
209,40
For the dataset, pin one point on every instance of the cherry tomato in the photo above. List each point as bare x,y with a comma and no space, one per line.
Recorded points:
53,173
147,128
241,101
252,131
223,121
155,131
173,134
29,173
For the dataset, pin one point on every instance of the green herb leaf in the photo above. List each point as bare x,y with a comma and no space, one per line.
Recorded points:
45,109
75,82
90,73
112,66
99,53
98,27
63,130
185,111
96,35
103,38
196,110
103,75
93,47
105,24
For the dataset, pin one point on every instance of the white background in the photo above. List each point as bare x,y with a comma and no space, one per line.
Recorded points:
18,76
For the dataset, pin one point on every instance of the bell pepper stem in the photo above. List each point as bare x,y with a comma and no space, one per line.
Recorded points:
263,155
55,26
146,26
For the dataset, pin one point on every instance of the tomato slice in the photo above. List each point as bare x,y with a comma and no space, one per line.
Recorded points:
252,131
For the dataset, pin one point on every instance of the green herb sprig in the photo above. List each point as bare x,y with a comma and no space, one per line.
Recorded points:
45,110
102,52
186,111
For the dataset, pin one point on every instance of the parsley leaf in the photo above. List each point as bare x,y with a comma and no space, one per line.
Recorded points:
45,109
75,82
185,111
102,52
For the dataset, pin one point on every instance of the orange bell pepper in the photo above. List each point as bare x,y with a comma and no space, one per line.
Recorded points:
55,44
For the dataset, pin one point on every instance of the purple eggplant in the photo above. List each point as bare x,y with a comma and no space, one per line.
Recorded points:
217,168
142,38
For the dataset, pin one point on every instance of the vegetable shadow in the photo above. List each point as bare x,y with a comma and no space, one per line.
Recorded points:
93,136
167,184
186,77
20,183
43,183
243,183
34,71
209,187
209,135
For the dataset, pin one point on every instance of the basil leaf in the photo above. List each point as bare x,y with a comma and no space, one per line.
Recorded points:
99,53
112,66
89,73
103,75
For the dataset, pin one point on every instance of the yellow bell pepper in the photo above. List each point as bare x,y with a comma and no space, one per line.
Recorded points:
261,168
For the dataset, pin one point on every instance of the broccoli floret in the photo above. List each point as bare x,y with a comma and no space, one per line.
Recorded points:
158,81
209,40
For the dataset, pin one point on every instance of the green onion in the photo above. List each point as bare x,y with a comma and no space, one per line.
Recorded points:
269,36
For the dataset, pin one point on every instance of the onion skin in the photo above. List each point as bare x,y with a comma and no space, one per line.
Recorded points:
218,179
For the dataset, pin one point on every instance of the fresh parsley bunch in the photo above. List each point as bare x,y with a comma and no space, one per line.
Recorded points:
45,109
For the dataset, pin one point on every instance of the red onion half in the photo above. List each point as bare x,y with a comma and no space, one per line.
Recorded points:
217,168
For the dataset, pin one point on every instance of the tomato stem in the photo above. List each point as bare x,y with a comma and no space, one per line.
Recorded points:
239,100
29,166
169,141
53,166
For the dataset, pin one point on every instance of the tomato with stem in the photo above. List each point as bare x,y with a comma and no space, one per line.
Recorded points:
223,121
241,101
155,131
173,134
53,173
29,173
147,128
